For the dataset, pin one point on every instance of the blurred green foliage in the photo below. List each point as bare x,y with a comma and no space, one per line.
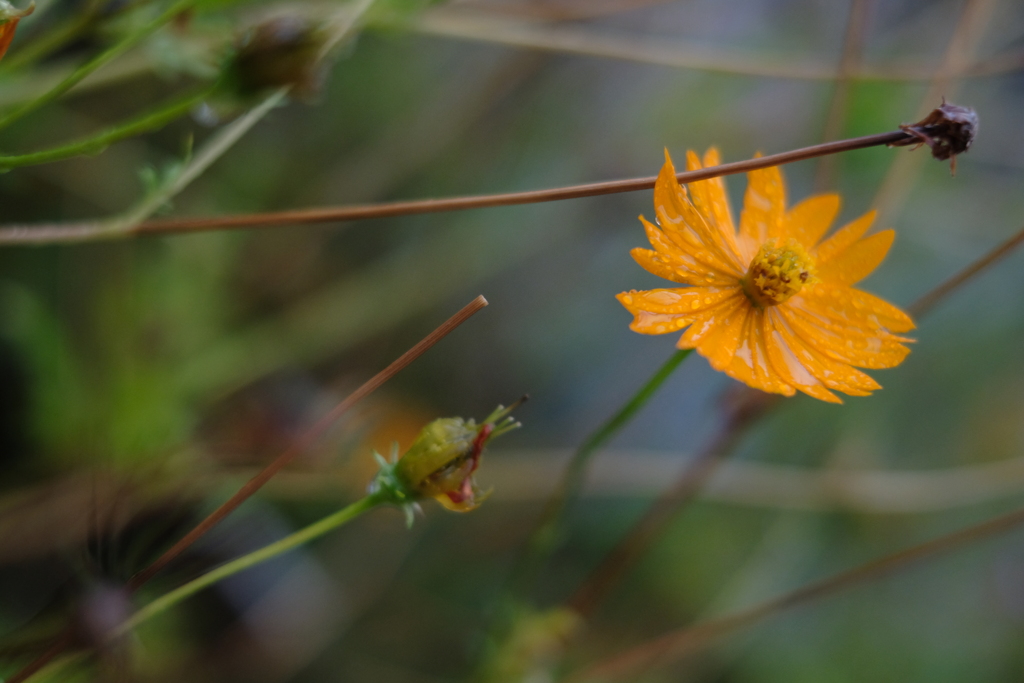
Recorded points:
182,363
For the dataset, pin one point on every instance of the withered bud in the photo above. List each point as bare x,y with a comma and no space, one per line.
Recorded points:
284,51
948,131
441,462
9,18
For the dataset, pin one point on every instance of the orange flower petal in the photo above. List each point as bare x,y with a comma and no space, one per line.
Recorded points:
874,350
658,322
844,237
768,379
704,195
692,228
851,307
683,301
714,190
830,372
6,35
788,366
650,261
716,335
809,220
741,366
696,271
9,24
858,261
750,363
764,206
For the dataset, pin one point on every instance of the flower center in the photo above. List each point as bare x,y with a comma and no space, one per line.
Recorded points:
777,273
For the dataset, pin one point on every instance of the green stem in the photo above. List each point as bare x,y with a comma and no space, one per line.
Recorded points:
545,537
150,121
314,530
81,72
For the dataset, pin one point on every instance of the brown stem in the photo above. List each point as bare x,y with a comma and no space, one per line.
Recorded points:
85,232
751,404
62,643
686,641
835,121
305,441
927,302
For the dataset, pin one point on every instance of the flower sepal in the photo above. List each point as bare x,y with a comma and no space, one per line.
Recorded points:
392,488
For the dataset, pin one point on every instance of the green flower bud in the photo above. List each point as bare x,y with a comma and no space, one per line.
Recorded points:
441,462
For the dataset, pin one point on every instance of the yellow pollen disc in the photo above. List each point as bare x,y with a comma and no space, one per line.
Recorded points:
777,273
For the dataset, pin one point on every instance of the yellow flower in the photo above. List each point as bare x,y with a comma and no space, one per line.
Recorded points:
772,306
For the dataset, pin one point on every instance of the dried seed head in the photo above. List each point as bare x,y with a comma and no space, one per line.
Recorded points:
284,51
948,130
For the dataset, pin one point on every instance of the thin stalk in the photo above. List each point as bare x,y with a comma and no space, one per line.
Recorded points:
927,302
92,65
212,149
563,38
838,110
544,539
691,639
621,558
305,441
149,121
89,231
59,645
300,537
904,170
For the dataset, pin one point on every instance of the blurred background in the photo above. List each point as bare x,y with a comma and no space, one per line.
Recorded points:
143,380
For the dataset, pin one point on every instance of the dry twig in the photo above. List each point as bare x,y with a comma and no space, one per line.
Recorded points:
93,231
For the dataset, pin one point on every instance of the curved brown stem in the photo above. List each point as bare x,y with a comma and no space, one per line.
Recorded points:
927,302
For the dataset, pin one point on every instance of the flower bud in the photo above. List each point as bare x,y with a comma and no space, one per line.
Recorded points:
441,462
284,51
9,18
